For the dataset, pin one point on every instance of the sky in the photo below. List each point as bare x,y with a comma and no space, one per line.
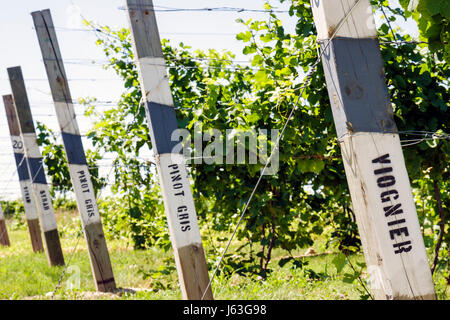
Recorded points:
83,58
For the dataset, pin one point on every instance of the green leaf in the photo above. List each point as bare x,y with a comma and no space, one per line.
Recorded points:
261,77
284,261
339,261
433,6
244,36
257,60
400,81
445,9
349,277
310,165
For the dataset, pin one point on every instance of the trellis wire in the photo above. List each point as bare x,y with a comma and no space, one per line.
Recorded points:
291,114
426,136
216,9
80,232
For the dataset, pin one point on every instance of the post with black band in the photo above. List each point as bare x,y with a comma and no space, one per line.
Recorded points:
78,168
175,185
36,171
375,168
29,202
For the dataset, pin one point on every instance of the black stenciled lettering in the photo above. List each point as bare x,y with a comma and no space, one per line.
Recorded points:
386,181
175,168
27,195
17,144
398,232
183,217
402,247
176,176
177,185
382,159
83,181
44,200
89,207
385,195
383,170
393,210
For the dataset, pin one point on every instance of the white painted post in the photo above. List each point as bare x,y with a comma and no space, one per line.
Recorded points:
78,168
29,202
379,185
175,186
36,172
4,239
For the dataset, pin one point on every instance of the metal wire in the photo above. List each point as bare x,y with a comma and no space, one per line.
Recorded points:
291,114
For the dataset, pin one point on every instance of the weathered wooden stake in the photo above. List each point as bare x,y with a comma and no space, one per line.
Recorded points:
36,172
379,185
4,239
29,202
175,186
79,171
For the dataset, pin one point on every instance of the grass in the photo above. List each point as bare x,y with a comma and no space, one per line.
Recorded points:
26,275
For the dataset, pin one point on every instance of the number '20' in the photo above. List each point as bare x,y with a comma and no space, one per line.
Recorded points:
17,144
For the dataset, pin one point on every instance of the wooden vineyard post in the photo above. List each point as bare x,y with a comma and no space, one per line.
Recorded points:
375,168
78,168
4,239
36,172
29,202
175,186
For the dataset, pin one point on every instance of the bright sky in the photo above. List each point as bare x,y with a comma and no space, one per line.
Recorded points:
19,47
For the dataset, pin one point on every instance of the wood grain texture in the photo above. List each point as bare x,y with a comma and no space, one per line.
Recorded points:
21,164
360,99
33,157
143,22
178,200
386,215
22,169
99,258
51,55
56,73
381,195
193,272
35,235
177,195
152,72
44,206
21,100
13,122
79,172
329,13
29,202
4,238
84,194
54,252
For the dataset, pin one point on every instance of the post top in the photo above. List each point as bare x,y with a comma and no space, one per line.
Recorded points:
343,18
22,105
144,29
